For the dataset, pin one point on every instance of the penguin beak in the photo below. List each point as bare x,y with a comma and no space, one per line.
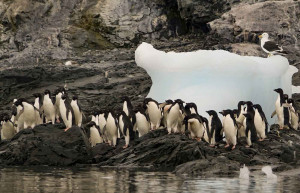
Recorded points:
260,36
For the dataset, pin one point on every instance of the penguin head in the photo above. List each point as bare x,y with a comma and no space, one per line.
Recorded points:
226,112
241,103
211,112
285,97
257,106
5,117
222,113
169,101
235,111
64,97
279,90
37,95
74,98
291,101
91,124
47,92
19,102
61,90
179,101
125,98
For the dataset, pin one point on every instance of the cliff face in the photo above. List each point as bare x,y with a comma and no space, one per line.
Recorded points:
37,37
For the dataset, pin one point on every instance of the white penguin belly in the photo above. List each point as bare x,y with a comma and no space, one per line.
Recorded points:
111,128
154,114
7,131
102,122
95,136
142,124
49,108
196,128
29,115
230,130
77,113
259,125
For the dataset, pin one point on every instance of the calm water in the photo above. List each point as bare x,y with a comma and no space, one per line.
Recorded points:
94,179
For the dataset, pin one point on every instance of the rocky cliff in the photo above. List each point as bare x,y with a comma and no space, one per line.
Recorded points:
37,37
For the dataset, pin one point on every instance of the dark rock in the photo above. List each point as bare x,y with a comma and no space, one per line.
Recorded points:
46,145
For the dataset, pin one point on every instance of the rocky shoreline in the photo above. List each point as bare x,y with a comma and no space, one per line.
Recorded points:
50,145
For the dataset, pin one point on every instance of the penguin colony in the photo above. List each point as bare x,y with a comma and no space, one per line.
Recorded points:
106,126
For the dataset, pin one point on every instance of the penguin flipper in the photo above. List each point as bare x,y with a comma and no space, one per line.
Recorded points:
274,113
20,113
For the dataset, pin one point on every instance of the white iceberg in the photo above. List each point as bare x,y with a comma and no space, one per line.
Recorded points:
215,79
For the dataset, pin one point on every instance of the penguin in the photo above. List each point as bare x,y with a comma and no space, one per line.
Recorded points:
165,107
196,126
240,120
251,134
95,136
102,123
279,107
154,112
48,107
8,130
207,133
111,128
58,93
286,112
77,111
37,100
128,109
215,128
66,112
190,108
95,117
28,112
294,115
235,113
126,128
142,121
175,113
260,122
230,128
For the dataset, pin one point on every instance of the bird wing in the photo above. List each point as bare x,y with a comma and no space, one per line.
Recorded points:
271,46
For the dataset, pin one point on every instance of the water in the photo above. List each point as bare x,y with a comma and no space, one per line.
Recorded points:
94,179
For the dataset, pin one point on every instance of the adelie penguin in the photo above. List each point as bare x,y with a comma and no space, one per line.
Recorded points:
111,128
126,128
48,107
102,123
38,103
196,126
77,111
230,128
251,134
240,119
294,115
154,112
66,112
175,114
215,128
28,112
190,108
165,107
95,136
279,108
142,121
58,93
260,122
128,109
8,130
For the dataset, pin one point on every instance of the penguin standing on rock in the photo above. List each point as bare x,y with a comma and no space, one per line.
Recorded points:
8,130
142,121
111,128
196,126
251,134
37,100
126,128
95,136
230,128
215,128
165,107
58,93
279,108
102,123
175,113
260,122
154,112
240,119
48,107
294,115
77,111
286,112
28,112
66,112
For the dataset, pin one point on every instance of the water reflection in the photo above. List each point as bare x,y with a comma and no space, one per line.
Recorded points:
107,180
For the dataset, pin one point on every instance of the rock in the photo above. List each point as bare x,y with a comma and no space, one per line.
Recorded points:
46,145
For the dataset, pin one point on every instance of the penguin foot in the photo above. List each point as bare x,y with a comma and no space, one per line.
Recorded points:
233,147
198,138
247,146
227,145
57,120
211,145
66,129
260,139
280,128
125,146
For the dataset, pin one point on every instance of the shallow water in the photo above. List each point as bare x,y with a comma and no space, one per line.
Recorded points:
94,179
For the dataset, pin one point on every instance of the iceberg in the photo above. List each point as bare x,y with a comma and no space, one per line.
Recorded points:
215,79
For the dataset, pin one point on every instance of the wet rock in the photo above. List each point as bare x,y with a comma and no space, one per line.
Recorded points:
46,145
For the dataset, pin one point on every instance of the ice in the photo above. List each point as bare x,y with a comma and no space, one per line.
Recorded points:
268,171
215,79
244,173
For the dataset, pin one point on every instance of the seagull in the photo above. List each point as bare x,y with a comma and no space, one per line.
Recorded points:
269,46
